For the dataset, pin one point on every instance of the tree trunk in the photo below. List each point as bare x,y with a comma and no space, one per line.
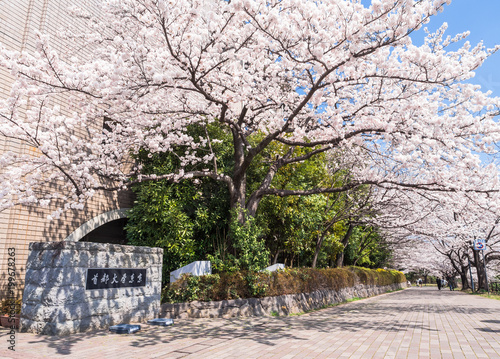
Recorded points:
275,260
460,268
237,191
481,277
237,198
345,241
463,277
319,242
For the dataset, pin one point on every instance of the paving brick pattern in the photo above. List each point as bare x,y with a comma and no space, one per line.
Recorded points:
414,323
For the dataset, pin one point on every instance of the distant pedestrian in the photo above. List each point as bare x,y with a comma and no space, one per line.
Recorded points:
438,282
450,283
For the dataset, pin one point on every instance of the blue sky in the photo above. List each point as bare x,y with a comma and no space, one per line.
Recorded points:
482,19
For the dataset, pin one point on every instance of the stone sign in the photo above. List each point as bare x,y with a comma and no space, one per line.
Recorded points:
71,287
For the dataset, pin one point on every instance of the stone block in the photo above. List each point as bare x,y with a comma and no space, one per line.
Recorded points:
37,327
32,292
67,295
103,294
35,312
51,276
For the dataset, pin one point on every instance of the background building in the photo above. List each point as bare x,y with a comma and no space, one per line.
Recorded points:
104,217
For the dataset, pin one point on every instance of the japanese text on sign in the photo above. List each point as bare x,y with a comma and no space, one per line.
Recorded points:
102,278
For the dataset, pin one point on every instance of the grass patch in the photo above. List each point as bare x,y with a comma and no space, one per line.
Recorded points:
484,294
395,290
353,299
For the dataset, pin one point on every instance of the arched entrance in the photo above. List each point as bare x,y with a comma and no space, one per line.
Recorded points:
107,227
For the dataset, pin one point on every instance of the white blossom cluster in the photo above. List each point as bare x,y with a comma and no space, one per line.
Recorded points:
317,74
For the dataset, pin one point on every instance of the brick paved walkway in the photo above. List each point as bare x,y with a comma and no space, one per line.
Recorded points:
415,323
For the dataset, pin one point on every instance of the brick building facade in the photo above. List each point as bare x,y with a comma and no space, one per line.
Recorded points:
20,225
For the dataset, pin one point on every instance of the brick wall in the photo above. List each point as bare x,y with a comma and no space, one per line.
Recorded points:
20,225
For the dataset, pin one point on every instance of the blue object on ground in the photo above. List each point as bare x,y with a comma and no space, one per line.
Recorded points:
125,328
165,322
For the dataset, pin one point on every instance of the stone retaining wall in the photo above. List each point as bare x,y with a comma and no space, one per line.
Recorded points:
279,305
56,301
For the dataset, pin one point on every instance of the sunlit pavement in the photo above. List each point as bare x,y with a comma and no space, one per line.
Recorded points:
414,323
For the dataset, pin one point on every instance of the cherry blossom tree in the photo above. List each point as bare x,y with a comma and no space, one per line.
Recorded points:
445,227
310,75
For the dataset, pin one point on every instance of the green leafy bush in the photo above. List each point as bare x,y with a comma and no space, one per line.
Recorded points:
189,288
250,252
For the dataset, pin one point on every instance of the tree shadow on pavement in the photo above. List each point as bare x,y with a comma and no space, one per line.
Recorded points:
495,328
399,311
263,330
63,344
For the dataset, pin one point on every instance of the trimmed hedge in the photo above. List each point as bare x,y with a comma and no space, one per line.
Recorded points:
379,276
236,285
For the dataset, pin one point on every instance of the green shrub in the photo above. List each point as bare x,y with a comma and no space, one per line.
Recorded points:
251,284
8,306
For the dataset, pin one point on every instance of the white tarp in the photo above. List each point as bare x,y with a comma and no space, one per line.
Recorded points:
274,267
197,268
